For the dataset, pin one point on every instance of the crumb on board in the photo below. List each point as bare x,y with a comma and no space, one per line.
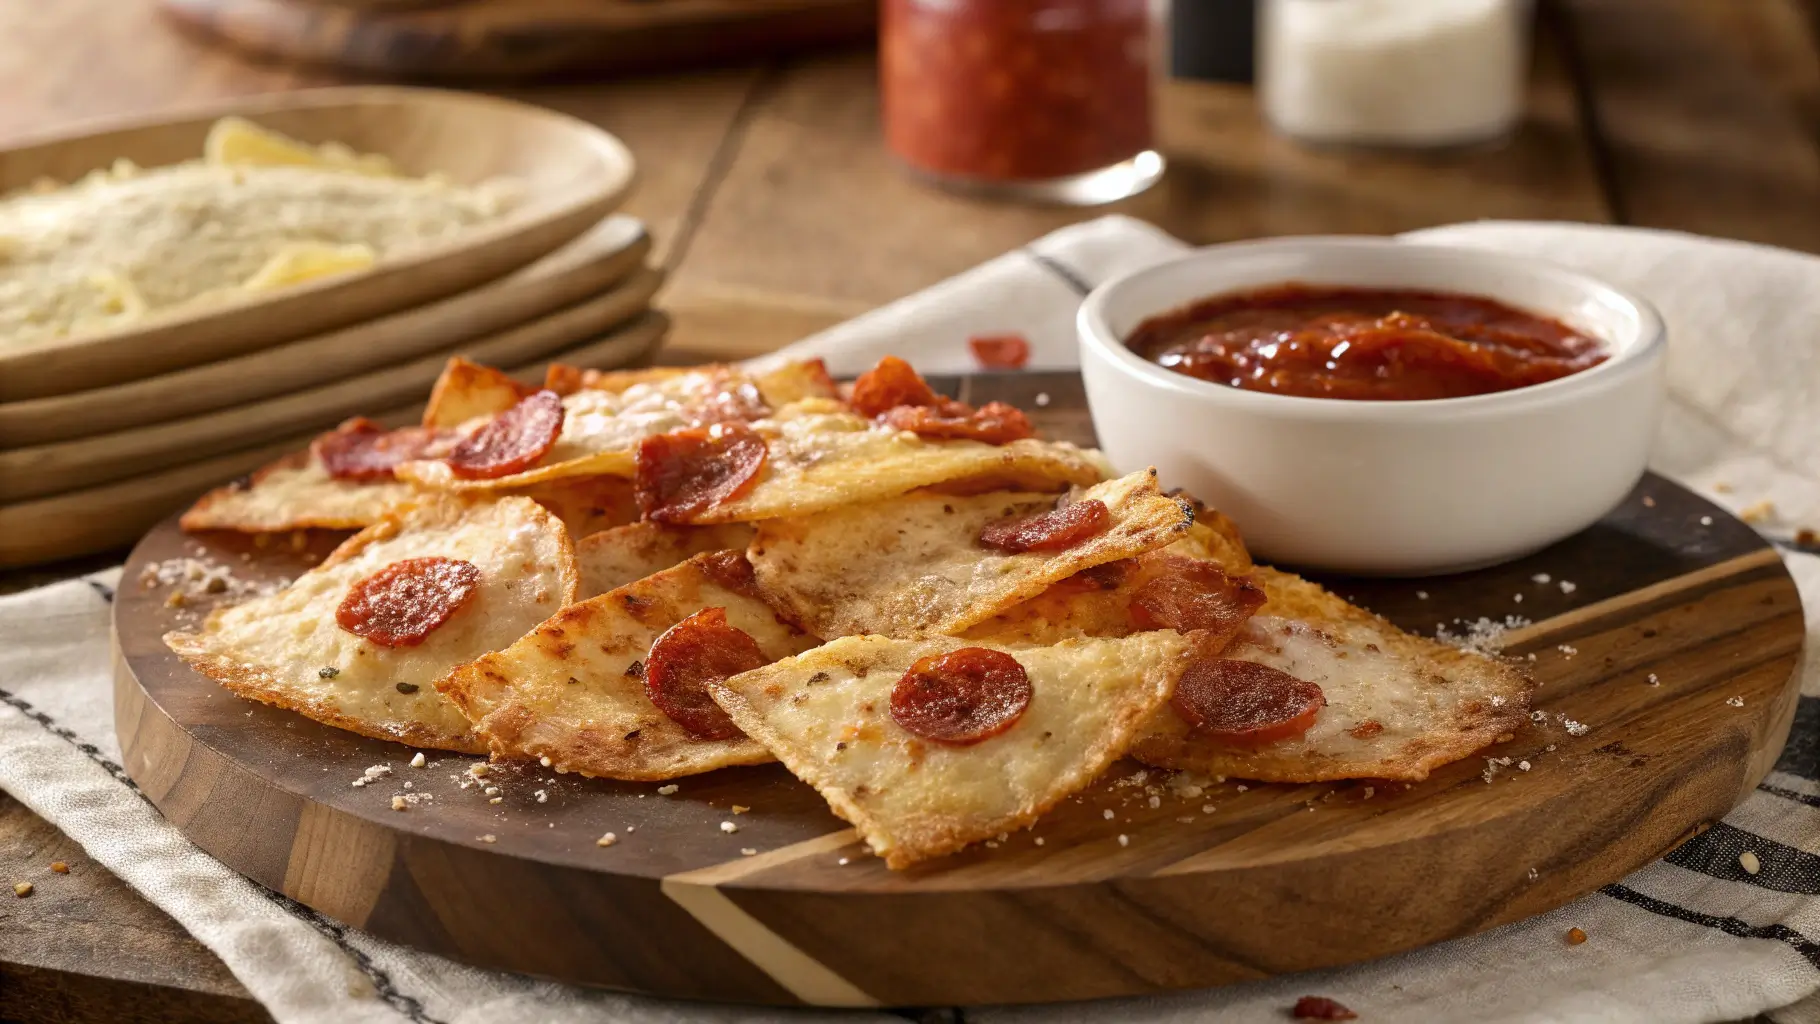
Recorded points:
489,838
1575,936
1541,577
1706,520
398,803
1759,512
667,790
606,840
740,808
1749,862
1649,502
747,851
728,827
417,759
1320,1008
1807,536
1736,702
59,868
1124,840
22,889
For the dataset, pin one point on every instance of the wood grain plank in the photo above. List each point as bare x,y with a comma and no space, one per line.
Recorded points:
85,948
814,224
1709,113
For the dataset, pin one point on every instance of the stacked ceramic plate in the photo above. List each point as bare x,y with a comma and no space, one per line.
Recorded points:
102,434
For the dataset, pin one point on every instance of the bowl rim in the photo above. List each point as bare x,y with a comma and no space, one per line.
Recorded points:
1640,355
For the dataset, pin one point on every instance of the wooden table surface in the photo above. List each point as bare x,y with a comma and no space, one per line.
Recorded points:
777,214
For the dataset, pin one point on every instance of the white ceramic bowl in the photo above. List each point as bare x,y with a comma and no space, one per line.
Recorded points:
1383,488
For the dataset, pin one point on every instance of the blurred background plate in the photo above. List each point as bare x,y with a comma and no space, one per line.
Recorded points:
600,259
492,39
572,174
66,465
98,518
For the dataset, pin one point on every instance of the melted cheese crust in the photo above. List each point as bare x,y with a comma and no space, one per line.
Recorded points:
297,493
625,554
574,689
913,565
288,650
826,715
1398,706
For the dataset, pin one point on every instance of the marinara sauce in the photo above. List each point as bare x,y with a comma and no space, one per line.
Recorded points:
1363,343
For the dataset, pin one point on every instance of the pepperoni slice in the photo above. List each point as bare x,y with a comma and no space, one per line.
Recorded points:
1056,530
363,450
1244,702
1321,1008
686,472
699,650
1000,351
403,603
993,423
890,384
1191,594
512,441
961,697
731,570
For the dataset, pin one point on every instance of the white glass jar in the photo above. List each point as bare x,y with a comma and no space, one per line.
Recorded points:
1393,72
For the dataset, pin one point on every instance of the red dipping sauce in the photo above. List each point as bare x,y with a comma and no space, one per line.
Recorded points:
1363,343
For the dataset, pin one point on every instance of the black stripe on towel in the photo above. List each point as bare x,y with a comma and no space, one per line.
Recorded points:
1809,950
1802,755
1716,852
1061,270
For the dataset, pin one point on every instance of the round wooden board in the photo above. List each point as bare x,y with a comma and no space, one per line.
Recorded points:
1276,879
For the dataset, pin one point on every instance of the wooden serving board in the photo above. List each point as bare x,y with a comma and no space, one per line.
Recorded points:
467,40
1273,879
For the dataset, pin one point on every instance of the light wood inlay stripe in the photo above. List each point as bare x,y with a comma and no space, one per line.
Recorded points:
1656,591
800,974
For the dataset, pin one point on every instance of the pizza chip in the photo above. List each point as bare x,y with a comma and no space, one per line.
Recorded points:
296,493
599,425
1398,706
625,554
917,564
823,457
588,504
468,391
575,689
841,718
360,640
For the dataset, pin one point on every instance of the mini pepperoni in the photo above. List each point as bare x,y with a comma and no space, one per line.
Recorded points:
363,450
1107,576
686,472
1000,351
731,570
993,423
1191,595
961,697
890,384
403,603
1056,530
1321,1008
512,441
699,650
1244,702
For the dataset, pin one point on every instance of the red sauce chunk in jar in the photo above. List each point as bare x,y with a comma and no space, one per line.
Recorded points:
1364,344
1015,90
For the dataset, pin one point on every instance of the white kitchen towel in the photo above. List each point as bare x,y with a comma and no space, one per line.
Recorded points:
1690,939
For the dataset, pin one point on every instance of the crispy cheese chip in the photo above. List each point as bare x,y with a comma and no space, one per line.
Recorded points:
574,690
1398,706
794,382
822,457
914,565
296,493
587,505
625,554
468,391
603,424
827,716
296,648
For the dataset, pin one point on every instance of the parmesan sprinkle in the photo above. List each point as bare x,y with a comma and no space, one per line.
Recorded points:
417,759
489,838
1042,399
728,827
398,803
1706,520
545,761
1541,577
1736,702
667,790
747,851
1749,862
1574,728
607,840
843,862
541,796
1568,586
1107,814
1124,840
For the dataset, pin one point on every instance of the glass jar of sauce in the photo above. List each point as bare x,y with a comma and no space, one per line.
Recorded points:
1035,99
